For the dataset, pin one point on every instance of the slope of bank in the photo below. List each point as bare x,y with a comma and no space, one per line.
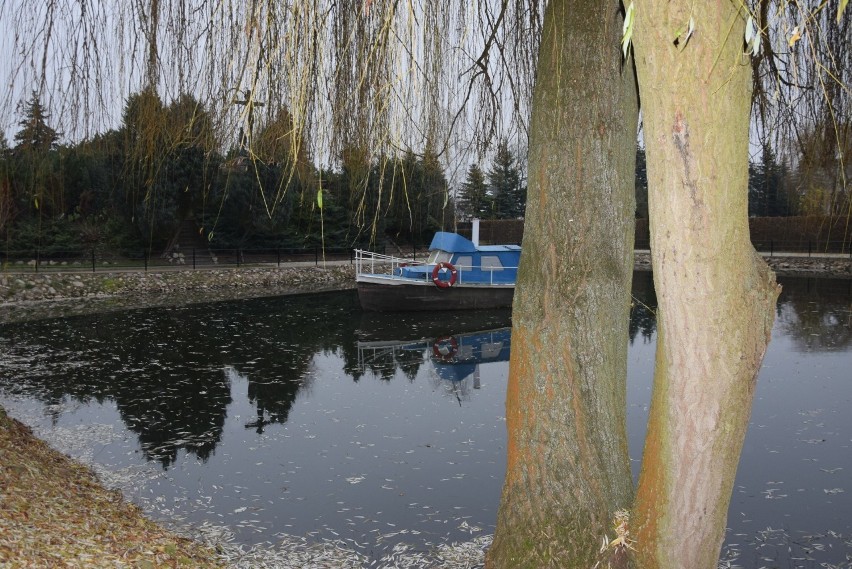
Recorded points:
54,513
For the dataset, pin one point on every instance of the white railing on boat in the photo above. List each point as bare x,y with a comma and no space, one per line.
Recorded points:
370,263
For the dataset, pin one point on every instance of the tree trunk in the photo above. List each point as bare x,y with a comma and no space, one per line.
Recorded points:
568,470
715,295
151,75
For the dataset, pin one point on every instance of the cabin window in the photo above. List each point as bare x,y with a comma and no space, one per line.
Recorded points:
464,263
491,263
438,256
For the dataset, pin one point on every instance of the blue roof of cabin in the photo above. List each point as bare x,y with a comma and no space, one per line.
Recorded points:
455,243
498,248
452,243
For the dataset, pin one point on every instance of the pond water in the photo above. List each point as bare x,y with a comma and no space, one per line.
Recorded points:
302,416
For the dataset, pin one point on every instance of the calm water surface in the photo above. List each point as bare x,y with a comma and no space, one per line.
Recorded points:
304,416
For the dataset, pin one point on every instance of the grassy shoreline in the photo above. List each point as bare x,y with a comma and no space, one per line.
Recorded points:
54,512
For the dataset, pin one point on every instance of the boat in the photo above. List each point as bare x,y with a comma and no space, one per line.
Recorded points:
459,274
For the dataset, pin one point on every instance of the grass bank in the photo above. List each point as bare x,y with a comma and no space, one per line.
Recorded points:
55,513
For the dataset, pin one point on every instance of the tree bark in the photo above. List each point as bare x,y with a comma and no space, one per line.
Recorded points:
151,75
568,470
715,295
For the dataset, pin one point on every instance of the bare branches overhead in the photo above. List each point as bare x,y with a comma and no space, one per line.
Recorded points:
385,74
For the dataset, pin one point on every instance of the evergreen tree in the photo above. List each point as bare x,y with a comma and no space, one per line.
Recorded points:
279,144
6,202
357,187
767,196
433,195
35,180
504,185
168,163
35,134
473,201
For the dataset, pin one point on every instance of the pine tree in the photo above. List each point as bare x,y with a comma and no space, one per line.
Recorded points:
434,194
473,194
6,203
36,180
35,134
767,196
504,184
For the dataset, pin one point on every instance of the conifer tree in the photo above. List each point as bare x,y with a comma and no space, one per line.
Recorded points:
35,183
35,134
504,184
473,200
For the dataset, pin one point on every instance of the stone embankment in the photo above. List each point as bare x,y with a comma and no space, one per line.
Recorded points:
54,286
787,265
66,293
24,295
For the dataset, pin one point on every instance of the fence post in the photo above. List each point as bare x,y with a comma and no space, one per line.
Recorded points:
809,248
316,256
239,254
93,259
145,257
38,257
278,254
771,248
193,258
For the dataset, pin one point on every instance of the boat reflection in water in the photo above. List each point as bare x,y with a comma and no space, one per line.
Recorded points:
457,358
454,358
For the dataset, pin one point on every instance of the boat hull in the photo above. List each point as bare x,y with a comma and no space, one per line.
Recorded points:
381,297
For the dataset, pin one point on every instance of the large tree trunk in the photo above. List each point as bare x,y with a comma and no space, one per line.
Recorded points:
716,297
568,469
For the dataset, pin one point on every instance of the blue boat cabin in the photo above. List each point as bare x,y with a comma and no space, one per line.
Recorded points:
475,264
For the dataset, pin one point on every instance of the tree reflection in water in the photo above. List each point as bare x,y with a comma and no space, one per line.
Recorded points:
170,370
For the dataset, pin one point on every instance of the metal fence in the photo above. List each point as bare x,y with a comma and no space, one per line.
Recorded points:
94,260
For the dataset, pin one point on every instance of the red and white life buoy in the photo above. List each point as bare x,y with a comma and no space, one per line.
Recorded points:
445,348
454,275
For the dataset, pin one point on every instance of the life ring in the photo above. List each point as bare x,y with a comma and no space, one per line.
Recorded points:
454,275
445,348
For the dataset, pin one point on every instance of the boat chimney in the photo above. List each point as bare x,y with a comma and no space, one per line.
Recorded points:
474,232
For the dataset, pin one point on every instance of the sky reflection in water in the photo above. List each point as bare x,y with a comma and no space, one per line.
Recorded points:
302,415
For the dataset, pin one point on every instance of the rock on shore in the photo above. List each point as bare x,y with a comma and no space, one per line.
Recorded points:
28,296
55,286
830,267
